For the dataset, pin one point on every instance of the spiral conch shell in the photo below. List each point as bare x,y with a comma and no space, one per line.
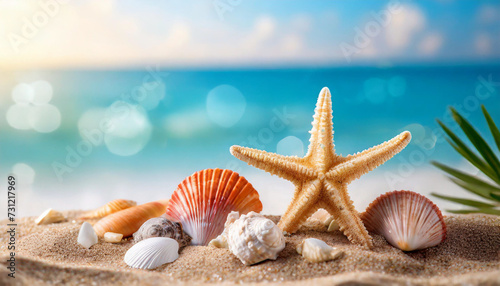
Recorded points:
109,208
129,220
254,238
162,227
316,250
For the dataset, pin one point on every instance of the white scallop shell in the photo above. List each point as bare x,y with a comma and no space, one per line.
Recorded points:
87,236
152,252
316,250
221,240
254,238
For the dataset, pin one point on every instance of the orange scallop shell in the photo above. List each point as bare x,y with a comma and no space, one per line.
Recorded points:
129,220
203,200
407,220
109,208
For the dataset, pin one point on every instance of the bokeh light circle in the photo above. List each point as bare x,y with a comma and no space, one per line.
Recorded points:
24,173
130,131
290,146
42,92
396,86
155,92
44,118
90,121
18,116
22,93
422,136
375,90
225,105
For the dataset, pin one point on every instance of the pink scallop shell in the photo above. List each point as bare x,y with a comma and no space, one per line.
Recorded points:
407,220
203,200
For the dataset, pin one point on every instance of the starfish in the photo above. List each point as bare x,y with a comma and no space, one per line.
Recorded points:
321,177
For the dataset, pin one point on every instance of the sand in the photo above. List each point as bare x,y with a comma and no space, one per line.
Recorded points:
50,255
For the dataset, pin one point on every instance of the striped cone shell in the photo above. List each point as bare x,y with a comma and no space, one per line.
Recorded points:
129,220
109,208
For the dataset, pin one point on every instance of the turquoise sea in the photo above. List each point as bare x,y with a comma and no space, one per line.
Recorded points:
169,123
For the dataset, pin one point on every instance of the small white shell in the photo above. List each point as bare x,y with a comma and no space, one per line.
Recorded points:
49,216
316,250
333,226
326,219
254,238
87,236
221,240
113,237
152,252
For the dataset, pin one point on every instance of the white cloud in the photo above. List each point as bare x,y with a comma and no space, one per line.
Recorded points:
482,43
403,26
488,14
431,43
263,30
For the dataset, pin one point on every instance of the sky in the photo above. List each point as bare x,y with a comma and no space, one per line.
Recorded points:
108,34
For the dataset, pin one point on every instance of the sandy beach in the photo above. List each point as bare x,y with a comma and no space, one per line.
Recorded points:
50,255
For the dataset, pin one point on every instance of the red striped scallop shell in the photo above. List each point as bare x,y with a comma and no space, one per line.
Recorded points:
203,200
407,220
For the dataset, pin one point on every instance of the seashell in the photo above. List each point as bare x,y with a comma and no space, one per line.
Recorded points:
322,216
129,220
333,226
87,236
221,240
326,219
254,238
162,227
49,216
407,220
152,252
203,200
113,237
109,208
316,250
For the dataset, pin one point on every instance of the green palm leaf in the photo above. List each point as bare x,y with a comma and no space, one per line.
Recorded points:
488,163
465,202
478,142
468,154
493,127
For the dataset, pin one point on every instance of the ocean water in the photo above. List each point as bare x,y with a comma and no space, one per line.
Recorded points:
168,124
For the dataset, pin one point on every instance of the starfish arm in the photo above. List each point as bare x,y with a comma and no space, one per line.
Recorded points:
321,150
304,204
354,166
286,167
340,206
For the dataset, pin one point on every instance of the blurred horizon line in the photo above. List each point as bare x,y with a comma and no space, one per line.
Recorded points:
268,66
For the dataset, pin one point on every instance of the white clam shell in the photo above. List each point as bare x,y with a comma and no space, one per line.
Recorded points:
87,236
113,237
49,216
316,250
254,238
152,252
